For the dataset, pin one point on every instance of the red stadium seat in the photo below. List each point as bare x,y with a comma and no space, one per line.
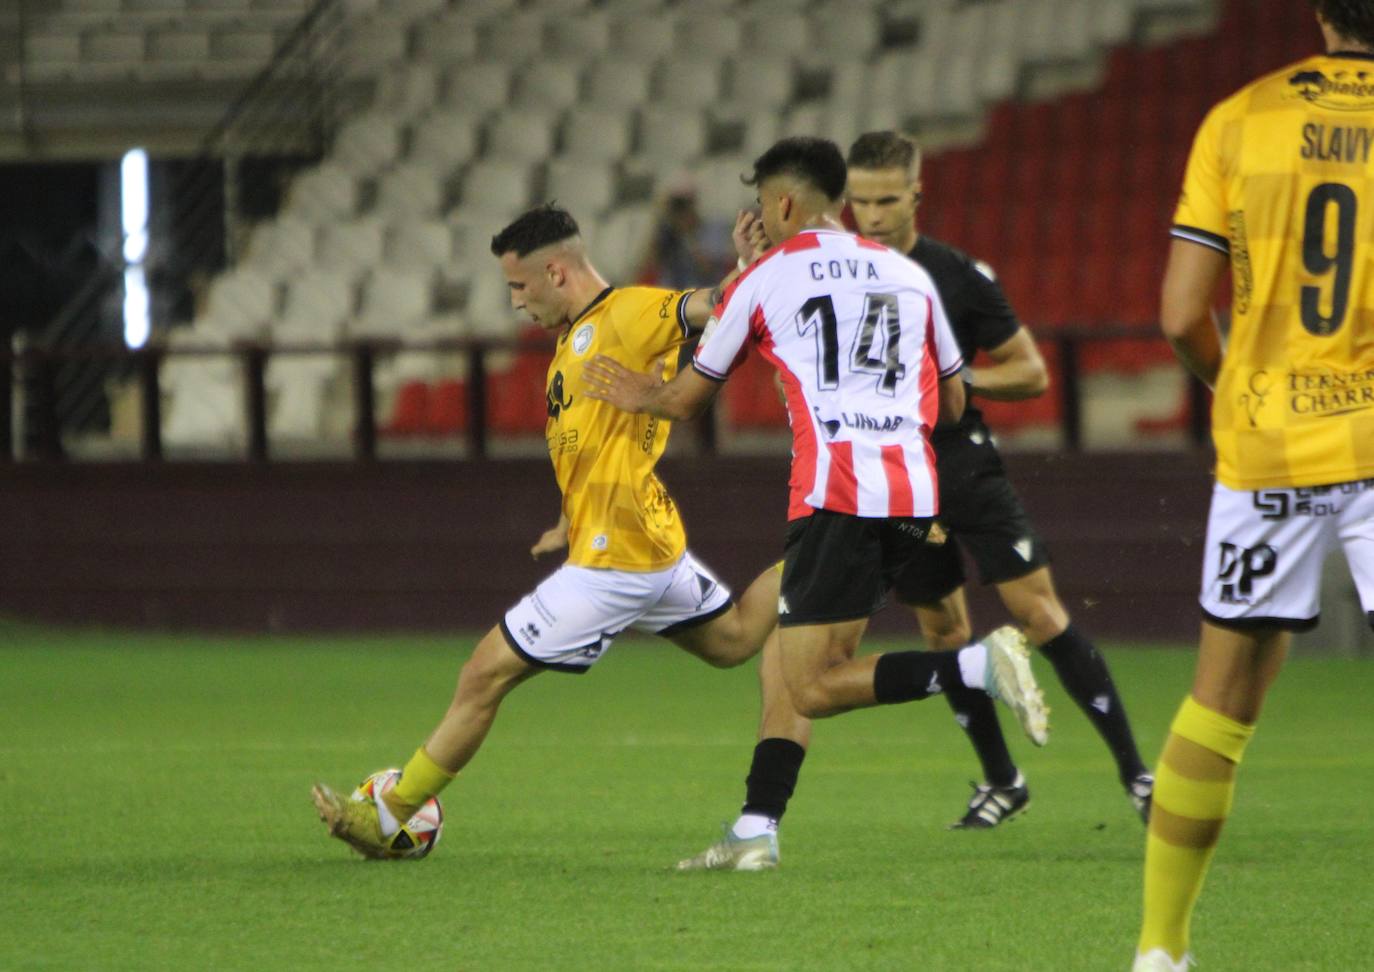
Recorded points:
751,397
448,408
409,416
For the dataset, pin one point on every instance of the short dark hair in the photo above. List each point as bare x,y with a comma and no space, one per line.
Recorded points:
817,161
1352,19
539,227
884,150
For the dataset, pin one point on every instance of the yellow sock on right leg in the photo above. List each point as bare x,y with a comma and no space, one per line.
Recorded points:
1194,785
421,779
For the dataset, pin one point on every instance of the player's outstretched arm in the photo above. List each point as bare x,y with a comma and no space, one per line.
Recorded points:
634,391
1017,371
1185,311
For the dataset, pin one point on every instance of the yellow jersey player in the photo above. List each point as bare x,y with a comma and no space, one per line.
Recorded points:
1280,190
627,560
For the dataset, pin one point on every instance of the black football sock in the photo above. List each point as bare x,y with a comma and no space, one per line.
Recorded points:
976,713
772,777
905,676
1083,671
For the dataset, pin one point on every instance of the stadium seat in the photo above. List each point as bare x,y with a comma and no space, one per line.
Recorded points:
447,408
720,193
614,82
687,83
751,398
759,81
316,306
327,191
596,134
372,45
496,187
670,137
846,34
585,188
281,247
586,35
444,138
418,244
351,246
410,412
406,90
655,35
206,402
242,303
549,85
784,37
525,135
477,86
488,311
445,40
414,188
367,143
178,46
618,241
298,385
512,37
392,299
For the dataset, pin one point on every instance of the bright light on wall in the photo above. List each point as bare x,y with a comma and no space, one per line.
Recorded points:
133,207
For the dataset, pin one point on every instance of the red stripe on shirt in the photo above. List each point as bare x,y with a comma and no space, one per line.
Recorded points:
900,501
803,478
930,376
842,487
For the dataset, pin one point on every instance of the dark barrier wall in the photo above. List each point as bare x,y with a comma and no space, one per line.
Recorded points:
445,545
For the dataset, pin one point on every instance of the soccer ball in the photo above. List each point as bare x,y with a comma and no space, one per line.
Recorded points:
420,833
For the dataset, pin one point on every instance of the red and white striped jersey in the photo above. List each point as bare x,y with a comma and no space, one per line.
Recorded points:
859,337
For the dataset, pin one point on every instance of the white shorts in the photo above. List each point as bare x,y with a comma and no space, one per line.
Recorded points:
570,619
1265,550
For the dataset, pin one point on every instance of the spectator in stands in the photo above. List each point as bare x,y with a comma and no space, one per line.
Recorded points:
684,248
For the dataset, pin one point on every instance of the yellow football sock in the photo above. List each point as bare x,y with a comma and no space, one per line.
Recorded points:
421,779
1194,784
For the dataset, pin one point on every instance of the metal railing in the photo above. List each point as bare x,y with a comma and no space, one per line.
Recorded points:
288,109
31,372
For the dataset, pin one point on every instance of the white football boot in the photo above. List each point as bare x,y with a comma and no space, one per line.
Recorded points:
1010,681
1158,960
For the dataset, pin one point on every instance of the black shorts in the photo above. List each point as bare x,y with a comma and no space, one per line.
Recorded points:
838,567
982,514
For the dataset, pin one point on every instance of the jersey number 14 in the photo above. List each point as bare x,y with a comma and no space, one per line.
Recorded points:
880,318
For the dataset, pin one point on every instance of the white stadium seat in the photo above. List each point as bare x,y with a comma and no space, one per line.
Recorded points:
618,240
373,44
414,188
687,83
720,193
617,83
391,299
549,85
299,385
760,81
445,139
419,243
243,45
710,38
584,188
512,37
444,40
281,247
670,137
326,191
406,90
242,302
597,133
488,311
584,36
317,304
108,47
352,246
847,34
654,35
778,36
524,135
367,143
497,187
477,86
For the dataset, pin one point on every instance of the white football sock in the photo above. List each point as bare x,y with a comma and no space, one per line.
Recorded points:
973,665
752,825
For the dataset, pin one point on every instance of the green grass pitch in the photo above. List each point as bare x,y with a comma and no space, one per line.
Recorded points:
156,815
